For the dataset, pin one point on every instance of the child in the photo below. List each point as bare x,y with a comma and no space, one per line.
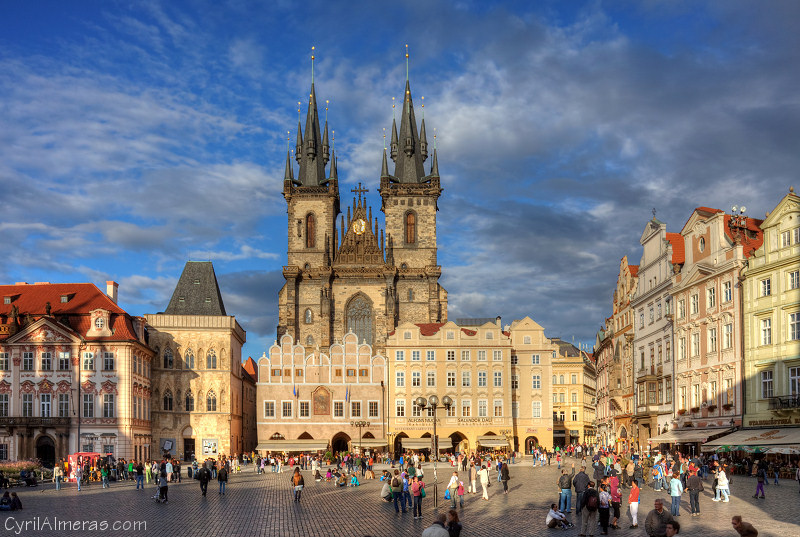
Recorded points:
163,488
461,494
354,481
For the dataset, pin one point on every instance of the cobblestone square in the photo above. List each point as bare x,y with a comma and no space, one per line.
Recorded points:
263,505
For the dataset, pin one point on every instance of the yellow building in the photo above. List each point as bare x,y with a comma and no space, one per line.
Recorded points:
772,321
574,395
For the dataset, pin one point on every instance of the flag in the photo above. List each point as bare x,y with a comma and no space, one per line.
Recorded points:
294,390
347,395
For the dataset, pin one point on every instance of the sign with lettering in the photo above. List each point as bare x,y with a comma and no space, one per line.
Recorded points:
474,420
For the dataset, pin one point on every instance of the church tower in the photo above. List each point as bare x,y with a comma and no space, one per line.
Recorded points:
410,202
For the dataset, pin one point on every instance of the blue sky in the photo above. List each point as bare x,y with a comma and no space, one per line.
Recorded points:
137,135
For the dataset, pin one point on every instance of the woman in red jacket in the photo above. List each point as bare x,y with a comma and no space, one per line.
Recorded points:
633,500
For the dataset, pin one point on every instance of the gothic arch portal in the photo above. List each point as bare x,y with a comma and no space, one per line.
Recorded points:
360,317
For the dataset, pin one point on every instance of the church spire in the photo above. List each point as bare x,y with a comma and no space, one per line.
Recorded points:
312,154
423,141
289,173
408,153
385,166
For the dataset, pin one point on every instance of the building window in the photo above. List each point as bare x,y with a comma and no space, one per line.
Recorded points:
535,359
338,409
416,411
498,408
400,408
536,409
451,379
695,344
451,334
727,292
108,405
88,361
497,356
712,392
168,401
431,379
658,311
514,382
766,287
794,381
189,402
465,356
27,361
514,359
669,391
211,402
794,326
189,359
310,231
574,397
695,395
481,379
561,379
562,397
574,378
451,411
794,279
44,405
372,408
451,356
681,309
286,409
537,382
766,331
355,409
430,356
63,405
766,384
3,405
526,340
574,415
47,361
466,408
400,379
652,315
466,379
555,380
399,356
416,356
695,304
211,359
3,361
683,397
712,340
786,239
498,379
483,408
3,452
88,405
308,317
108,361
411,228
269,409
416,379
711,296
168,360
482,356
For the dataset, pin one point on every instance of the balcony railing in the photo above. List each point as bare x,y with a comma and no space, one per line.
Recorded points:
784,402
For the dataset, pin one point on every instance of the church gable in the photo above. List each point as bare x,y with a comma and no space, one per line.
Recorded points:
360,244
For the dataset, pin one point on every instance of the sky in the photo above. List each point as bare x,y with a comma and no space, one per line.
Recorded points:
137,135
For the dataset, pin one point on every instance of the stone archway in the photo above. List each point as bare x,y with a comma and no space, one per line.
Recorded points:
459,442
340,442
46,450
398,443
530,444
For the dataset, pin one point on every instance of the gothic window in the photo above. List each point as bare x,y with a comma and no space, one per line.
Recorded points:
410,295
359,319
211,402
411,228
189,402
310,231
309,317
310,341
168,400
168,360
189,359
211,359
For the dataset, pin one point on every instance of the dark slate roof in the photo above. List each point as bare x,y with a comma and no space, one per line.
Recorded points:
197,292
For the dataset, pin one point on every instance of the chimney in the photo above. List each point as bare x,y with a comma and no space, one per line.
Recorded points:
111,290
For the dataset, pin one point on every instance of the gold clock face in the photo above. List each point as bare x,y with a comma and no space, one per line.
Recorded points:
359,226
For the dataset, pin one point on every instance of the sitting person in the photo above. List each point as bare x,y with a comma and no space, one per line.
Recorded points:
556,518
317,475
342,481
328,475
5,502
386,476
3,481
28,477
386,491
369,474
15,503
354,481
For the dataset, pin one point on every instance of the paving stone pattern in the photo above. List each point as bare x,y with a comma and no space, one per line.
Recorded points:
257,505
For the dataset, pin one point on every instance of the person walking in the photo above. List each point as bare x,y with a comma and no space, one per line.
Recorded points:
204,476
504,477
656,522
139,475
473,478
484,476
589,514
79,476
417,493
222,477
616,499
397,492
452,488
761,477
298,483
633,504
565,484
605,508
58,475
675,491
581,484
695,486
722,486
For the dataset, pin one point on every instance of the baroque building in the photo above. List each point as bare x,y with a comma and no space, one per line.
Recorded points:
74,373
574,395
199,386
662,254
351,276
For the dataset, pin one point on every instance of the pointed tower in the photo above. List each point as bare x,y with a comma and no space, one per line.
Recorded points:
312,199
410,202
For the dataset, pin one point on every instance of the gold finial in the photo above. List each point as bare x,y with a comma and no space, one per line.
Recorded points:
393,108
423,106
327,101
288,137
333,139
406,62
791,189
434,137
384,138
298,111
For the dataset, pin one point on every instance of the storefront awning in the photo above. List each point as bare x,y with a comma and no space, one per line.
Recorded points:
370,442
293,445
492,441
416,443
687,436
757,440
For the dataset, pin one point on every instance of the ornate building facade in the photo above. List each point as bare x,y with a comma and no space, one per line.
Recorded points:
574,395
199,385
74,373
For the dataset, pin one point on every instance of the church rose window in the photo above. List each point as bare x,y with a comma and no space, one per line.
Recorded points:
359,319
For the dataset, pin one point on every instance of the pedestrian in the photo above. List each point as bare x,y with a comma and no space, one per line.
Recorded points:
397,492
505,477
672,529
204,476
633,504
581,484
695,487
453,525
484,476
722,486
104,476
589,514
139,475
163,488
565,484
452,488
657,519
298,483
605,508
473,477
169,470
744,529
222,477
675,491
417,493
79,476
437,529
460,492
58,475
761,477
616,499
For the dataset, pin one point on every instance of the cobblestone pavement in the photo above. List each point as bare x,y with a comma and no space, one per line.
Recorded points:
263,505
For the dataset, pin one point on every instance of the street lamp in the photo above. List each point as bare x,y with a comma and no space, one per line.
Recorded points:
433,401
359,424
390,437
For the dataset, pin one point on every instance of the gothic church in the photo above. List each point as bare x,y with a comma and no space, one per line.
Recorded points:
346,274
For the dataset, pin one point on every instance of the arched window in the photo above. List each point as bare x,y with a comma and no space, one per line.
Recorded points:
189,402
168,360
310,231
168,400
309,317
211,401
411,228
359,319
211,359
555,379
310,341
561,379
189,359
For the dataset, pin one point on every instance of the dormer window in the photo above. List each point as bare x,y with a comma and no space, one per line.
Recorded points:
64,299
99,323
7,300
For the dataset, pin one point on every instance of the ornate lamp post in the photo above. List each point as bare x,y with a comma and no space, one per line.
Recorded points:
359,424
390,437
433,401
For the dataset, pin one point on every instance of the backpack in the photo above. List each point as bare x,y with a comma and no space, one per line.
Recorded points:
591,501
395,483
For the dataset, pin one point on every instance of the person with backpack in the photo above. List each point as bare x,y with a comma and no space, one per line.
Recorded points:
589,514
298,483
204,476
397,492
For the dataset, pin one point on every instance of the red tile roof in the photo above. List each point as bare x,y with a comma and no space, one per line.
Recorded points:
634,270
752,239
249,367
678,248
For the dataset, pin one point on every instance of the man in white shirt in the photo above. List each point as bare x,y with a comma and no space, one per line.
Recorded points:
556,518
